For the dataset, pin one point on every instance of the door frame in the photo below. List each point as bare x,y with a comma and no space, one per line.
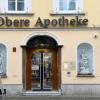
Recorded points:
54,67
24,59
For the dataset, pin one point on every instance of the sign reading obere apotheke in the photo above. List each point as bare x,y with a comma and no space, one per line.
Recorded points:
44,23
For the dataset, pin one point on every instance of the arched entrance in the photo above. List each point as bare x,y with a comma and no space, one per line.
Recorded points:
41,64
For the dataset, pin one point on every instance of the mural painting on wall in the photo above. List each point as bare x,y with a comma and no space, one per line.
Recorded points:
3,61
84,62
1,67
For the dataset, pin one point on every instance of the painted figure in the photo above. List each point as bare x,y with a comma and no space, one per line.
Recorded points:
84,62
1,67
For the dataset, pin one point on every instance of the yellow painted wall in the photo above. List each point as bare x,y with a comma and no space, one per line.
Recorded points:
69,38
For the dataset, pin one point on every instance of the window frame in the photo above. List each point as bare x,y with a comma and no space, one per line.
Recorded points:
17,11
56,7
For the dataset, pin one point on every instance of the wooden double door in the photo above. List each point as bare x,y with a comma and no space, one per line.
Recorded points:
41,70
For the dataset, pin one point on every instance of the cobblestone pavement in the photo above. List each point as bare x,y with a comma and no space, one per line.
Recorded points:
47,98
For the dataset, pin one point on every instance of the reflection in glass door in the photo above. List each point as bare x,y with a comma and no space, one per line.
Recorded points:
41,70
35,70
47,70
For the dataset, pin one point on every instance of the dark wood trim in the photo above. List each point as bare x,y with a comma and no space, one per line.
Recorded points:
23,67
28,69
54,70
59,66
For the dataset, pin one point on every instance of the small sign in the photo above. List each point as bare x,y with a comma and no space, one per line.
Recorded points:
35,67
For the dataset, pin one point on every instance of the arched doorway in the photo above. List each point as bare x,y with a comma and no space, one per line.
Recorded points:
40,64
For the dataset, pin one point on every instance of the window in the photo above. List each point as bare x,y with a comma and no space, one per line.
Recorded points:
3,59
85,59
16,5
67,6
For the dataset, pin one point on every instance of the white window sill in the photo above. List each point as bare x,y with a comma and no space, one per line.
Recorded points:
12,14
67,14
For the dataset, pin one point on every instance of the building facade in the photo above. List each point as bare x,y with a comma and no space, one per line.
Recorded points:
50,46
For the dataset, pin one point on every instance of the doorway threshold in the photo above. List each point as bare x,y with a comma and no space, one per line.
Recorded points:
40,93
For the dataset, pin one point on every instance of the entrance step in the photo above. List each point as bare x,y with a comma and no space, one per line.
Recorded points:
49,93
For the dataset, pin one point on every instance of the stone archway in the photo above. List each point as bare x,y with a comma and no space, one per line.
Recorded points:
35,34
41,44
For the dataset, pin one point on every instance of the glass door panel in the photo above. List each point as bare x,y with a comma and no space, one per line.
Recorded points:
41,70
47,66
35,70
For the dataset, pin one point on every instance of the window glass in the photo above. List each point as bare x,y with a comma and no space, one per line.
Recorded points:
72,5
20,5
67,4
63,5
16,5
11,5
